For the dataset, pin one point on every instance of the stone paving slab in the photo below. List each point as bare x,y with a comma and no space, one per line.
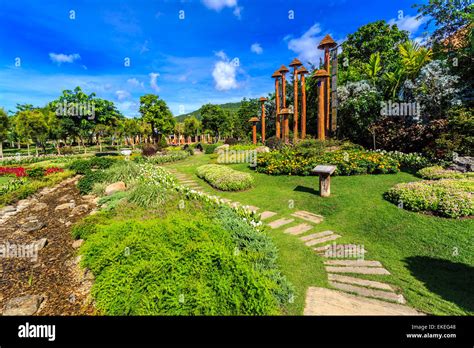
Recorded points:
267,214
316,235
298,229
380,294
354,263
358,281
350,251
322,249
359,270
280,222
322,240
321,301
306,215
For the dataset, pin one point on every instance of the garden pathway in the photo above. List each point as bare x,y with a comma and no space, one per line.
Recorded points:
48,281
351,294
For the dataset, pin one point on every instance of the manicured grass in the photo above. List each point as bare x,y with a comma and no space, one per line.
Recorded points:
430,258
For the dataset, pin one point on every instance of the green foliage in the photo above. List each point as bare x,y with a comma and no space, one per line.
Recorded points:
438,172
35,173
84,166
155,112
447,197
184,264
147,194
213,118
86,183
12,185
274,143
209,148
171,156
225,178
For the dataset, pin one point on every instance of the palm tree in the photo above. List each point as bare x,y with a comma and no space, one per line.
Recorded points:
414,57
373,67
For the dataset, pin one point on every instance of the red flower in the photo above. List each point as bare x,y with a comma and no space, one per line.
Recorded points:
53,170
17,171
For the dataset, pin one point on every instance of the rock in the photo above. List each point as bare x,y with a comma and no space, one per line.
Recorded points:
64,206
463,164
41,243
68,223
24,305
39,207
80,209
262,149
116,187
66,198
32,226
89,197
77,243
23,203
7,209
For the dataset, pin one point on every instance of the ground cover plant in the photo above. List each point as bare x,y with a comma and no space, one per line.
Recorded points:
224,178
207,259
447,197
438,172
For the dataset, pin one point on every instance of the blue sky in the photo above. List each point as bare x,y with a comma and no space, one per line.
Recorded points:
189,52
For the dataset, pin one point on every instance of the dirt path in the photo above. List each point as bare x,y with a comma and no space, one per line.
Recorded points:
46,280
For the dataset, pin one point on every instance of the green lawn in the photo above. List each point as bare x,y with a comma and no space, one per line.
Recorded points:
430,259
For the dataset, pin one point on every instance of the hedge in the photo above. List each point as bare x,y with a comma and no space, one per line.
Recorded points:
225,178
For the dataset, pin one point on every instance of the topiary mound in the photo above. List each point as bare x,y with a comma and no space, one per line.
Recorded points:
445,197
438,172
225,178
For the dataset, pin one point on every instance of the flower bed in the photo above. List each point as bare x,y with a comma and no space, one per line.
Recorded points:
17,171
290,162
411,161
445,197
438,172
172,156
224,178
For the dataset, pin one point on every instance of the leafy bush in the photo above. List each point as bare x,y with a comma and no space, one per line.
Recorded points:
185,264
105,154
35,173
171,156
274,143
12,185
225,178
86,183
446,197
209,148
231,141
438,172
289,162
147,194
410,161
86,165
149,150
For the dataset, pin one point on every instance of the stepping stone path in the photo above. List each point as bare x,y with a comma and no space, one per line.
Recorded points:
266,215
351,295
306,215
322,301
298,229
280,222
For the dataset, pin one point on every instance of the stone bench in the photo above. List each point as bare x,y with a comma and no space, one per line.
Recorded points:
324,172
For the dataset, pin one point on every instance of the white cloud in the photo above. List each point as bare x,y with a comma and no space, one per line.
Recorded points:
408,23
122,95
218,5
221,54
135,83
153,84
64,58
256,48
306,46
224,73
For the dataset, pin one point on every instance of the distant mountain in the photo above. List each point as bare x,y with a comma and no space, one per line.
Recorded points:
232,107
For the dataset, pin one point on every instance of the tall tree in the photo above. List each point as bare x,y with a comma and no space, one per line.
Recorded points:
155,112
213,119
